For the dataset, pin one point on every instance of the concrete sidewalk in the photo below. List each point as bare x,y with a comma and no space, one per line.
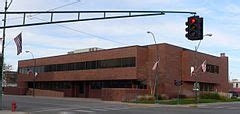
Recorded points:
9,112
60,98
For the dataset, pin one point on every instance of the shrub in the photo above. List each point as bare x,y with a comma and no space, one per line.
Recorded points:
212,96
164,97
149,98
181,96
233,97
145,98
141,98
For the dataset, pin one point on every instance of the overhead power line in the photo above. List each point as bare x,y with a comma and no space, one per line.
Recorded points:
89,34
62,6
69,28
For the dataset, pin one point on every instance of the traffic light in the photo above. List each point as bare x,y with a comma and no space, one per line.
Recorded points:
194,28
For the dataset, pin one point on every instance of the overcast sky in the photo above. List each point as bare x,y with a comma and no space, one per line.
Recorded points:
221,18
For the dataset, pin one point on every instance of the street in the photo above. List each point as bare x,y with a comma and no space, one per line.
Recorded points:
49,105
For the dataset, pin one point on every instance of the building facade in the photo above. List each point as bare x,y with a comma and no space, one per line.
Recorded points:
88,74
9,78
235,87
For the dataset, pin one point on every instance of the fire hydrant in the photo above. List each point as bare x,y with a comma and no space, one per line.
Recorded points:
14,106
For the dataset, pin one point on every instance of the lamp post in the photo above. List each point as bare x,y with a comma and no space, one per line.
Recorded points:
157,69
197,85
34,65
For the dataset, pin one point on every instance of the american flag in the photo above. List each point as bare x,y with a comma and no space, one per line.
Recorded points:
204,66
155,65
18,41
192,70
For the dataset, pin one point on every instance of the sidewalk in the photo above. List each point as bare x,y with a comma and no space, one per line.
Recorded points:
9,112
61,98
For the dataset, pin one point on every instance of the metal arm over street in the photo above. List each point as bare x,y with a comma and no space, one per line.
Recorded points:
78,14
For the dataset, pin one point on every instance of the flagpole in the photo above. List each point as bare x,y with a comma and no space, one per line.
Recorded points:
34,77
2,58
197,85
157,66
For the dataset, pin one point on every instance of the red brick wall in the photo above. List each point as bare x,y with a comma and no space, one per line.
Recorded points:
121,94
142,61
50,93
175,63
95,93
14,91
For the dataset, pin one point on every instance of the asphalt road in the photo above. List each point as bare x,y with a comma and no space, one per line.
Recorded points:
47,105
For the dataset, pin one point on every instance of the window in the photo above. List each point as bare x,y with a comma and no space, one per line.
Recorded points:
212,68
128,62
109,63
99,64
80,66
52,68
206,87
81,88
96,85
39,69
91,65
70,66
60,67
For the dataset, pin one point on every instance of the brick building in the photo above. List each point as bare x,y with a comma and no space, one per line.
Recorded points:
9,79
235,87
120,72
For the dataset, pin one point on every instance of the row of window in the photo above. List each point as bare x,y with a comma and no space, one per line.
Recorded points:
206,87
93,85
111,84
51,85
212,68
86,65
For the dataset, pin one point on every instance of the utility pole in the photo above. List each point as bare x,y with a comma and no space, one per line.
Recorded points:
3,45
2,58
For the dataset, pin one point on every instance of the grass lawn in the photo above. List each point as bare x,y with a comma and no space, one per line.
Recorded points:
185,101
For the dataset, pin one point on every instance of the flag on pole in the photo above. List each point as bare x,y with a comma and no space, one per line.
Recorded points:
18,42
204,66
192,70
35,74
155,65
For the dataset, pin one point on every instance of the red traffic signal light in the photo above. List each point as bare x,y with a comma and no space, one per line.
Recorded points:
194,28
193,20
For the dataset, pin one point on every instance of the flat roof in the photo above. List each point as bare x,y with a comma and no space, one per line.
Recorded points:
144,46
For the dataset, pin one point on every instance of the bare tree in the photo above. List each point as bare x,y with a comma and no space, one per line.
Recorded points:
7,67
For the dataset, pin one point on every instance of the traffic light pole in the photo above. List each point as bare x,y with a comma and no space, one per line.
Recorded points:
2,58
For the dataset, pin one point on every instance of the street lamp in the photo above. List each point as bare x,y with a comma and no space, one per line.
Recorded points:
196,85
34,65
157,69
